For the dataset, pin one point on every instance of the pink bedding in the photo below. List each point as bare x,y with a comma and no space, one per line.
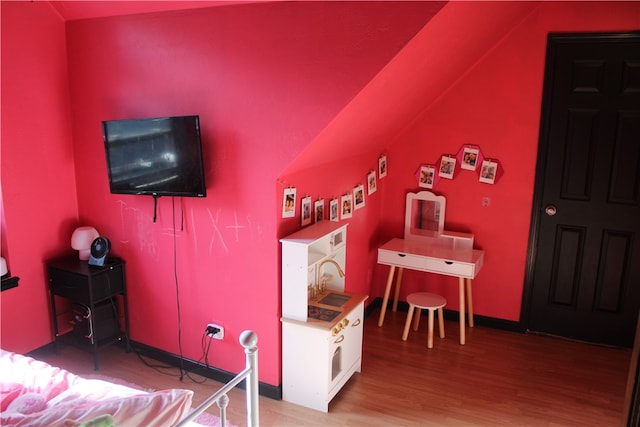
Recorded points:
33,393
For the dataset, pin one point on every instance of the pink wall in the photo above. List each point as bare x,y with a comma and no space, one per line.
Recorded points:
496,105
265,79
38,181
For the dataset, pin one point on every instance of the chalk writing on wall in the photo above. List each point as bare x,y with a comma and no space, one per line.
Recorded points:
216,229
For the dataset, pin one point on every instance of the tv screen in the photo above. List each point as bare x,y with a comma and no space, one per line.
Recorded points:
155,156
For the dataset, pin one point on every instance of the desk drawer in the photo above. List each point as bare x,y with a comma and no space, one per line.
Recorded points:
450,268
415,262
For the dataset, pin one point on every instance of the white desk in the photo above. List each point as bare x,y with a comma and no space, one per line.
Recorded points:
431,258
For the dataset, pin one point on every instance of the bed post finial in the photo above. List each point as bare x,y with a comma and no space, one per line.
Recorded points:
249,339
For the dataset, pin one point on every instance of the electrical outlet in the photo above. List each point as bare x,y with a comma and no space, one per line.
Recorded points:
215,331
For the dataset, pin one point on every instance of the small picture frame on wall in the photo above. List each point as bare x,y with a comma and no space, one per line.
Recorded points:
358,196
289,203
334,210
447,167
346,210
382,166
489,171
371,183
427,176
318,209
305,211
470,157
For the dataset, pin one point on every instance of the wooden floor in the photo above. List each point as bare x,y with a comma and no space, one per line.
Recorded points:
497,379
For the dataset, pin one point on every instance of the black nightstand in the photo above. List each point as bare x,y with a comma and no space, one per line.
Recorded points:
93,291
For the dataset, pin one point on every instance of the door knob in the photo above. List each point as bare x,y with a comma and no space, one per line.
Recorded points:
551,210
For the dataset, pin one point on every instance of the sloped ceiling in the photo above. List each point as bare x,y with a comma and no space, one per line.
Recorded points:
446,48
72,10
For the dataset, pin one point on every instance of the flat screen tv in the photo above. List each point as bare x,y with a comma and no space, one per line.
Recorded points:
155,156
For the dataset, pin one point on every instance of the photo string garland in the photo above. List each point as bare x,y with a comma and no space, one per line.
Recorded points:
469,157
340,208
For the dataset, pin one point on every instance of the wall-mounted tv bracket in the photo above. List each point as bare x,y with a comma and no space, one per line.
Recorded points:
155,206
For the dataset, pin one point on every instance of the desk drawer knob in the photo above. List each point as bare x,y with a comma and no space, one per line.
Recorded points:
449,262
402,255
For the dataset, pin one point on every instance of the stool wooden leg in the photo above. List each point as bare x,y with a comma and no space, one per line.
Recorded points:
441,322
470,303
430,333
405,333
416,321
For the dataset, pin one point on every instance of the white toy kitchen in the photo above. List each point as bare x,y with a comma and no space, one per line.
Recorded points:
321,323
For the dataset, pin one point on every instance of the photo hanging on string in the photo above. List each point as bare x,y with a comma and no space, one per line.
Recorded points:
488,171
427,176
334,210
318,209
470,157
371,183
305,211
358,196
347,206
382,166
447,167
289,203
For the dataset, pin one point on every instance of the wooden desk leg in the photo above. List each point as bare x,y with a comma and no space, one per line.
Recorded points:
385,300
462,321
470,303
397,292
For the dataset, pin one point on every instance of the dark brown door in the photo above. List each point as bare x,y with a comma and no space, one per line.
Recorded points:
583,277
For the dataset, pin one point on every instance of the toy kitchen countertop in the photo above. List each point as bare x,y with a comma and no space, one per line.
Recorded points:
328,309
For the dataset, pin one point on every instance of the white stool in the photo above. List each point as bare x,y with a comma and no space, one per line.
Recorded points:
429,302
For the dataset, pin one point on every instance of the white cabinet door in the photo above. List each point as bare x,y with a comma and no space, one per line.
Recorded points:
316,363
353,339
348,346
305,370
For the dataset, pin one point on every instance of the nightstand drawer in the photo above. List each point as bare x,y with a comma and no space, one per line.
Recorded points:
76,286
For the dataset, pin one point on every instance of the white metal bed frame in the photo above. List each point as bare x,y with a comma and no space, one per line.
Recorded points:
248,339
